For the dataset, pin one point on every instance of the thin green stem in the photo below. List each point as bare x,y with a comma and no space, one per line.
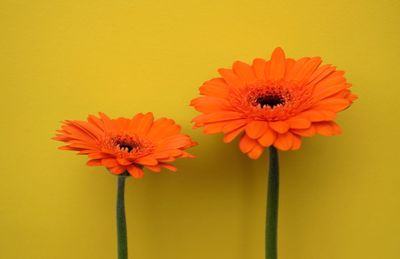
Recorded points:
121,221
271,227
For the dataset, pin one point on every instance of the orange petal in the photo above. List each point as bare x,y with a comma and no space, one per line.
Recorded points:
158,128
214,127
155,168
123,161
134,122
85,152
318,115
305,132
217,116
186,154
231,78
284,141
66,148
167,153
259,68
109,162
307,69
147,160
332,104
256,128
145,124
326,91
174,142
169,159
121,123
327,128
94,162
289,64
341,94
117,170
108,124
279,126
96,122
296,68
298,123
233,134
135,171
277,67
61,137
76,132
232,125
321,73
246,144
244,71
169,131
99,155
90,129
81,145
352,97
328,115
169,167
267,138
256,152
334,78
215,87
296,142
209,104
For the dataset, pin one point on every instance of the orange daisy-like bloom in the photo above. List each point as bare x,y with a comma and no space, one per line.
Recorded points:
275,102
126,144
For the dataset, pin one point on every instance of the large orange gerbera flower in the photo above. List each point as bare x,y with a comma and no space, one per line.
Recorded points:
126,144
273,103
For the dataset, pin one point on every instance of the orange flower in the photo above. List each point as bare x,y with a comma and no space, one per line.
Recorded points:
275,102
126,144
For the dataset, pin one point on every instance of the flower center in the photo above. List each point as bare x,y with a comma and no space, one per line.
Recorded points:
269,100
126,143
127,146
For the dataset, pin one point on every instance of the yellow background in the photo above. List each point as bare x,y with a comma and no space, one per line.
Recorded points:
66,59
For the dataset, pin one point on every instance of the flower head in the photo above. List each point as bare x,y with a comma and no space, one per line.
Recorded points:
275,102
126,144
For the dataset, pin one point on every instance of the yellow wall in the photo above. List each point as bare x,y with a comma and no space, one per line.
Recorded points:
66,59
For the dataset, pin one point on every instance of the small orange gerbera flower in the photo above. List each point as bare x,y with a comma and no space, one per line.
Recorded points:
126,144
275,102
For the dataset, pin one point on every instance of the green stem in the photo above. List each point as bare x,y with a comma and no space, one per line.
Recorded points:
121,221
271,227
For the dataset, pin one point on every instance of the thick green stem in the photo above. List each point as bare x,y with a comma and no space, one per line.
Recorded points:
271,227
121,221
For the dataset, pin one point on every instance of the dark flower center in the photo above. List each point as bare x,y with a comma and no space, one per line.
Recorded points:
126,143
270,100
127,147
